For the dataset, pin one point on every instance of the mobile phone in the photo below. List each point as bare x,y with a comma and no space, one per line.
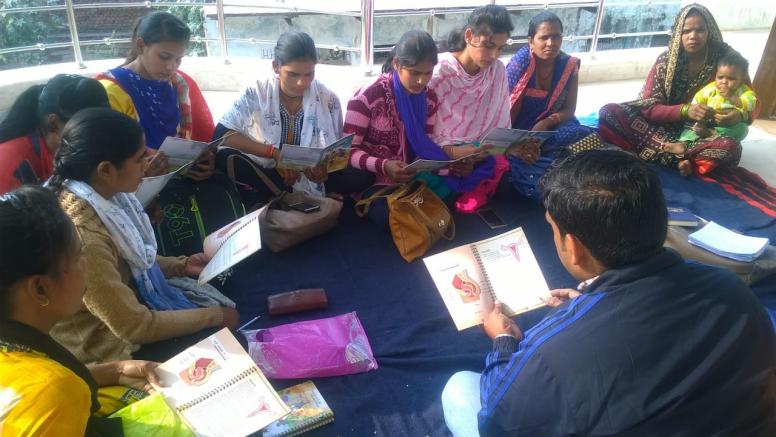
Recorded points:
304,207
491,218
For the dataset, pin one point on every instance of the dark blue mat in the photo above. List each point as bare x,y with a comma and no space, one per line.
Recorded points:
411,333
712,202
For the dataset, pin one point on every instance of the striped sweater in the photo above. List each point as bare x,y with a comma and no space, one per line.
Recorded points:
379,133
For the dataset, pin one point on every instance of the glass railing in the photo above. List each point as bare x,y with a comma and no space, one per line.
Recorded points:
34,32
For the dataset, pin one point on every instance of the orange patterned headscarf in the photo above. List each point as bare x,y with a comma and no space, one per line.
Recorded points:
675,50
669,82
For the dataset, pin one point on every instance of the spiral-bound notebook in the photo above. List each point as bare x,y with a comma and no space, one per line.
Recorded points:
231,244
308,411
503,266
217,389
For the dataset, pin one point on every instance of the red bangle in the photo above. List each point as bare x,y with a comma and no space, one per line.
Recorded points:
270,153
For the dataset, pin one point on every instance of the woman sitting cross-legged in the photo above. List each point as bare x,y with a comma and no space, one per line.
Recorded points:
544,82
393,117
46,390
646,126
150,88
471,84
290,107
128,301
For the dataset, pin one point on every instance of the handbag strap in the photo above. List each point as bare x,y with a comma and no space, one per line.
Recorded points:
362,206
263,177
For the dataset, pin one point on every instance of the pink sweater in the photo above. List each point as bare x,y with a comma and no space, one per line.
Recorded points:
379,133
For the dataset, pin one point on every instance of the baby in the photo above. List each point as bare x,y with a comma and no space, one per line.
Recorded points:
727,93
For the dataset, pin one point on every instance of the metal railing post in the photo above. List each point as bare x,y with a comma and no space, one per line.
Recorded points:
430,26
222,31
367,35
599,16
79,59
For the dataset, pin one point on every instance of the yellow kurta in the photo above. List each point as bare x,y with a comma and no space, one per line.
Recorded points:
119,99
40,397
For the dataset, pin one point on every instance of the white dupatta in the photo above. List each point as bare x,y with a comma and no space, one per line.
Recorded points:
256,114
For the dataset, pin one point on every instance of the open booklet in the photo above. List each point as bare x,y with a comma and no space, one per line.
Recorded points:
334,156
421,165
231,244
151,186
503,266
501,138
217,389
181,154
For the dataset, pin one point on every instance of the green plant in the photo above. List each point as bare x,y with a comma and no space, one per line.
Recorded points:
25,29
28,29
194,17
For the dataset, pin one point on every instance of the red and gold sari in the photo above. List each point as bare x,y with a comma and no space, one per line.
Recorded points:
644,125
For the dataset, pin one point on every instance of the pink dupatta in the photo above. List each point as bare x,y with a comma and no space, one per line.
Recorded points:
469,105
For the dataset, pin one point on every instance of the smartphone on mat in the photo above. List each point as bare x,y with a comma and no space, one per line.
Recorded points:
491,218
304,207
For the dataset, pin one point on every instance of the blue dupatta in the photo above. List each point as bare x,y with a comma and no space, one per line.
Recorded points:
156,104
412,109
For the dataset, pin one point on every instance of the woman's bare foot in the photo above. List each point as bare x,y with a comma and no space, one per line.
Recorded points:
675,148
685,167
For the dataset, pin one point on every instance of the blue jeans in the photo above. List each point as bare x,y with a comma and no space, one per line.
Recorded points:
461,403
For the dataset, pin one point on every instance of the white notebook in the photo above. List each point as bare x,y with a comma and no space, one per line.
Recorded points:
724,242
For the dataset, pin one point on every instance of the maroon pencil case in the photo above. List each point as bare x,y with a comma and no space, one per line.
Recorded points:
297,301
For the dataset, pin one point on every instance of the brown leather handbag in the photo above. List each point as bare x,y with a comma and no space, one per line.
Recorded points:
417,217
283,227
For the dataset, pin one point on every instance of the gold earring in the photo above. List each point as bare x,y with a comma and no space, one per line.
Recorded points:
46,302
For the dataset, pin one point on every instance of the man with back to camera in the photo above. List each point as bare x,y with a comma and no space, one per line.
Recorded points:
648,344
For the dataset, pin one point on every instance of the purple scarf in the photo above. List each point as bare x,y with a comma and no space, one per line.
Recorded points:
412,113
156,104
